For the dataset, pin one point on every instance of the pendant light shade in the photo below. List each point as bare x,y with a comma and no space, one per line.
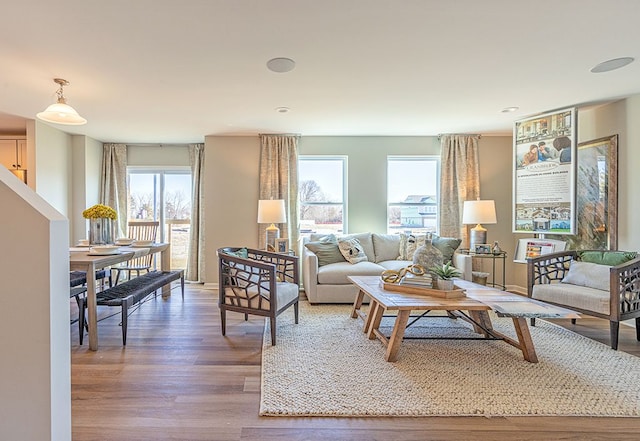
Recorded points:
60,112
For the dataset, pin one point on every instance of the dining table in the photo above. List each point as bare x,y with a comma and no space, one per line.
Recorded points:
82,259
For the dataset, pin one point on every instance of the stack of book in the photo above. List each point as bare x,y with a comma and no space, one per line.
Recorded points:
413,280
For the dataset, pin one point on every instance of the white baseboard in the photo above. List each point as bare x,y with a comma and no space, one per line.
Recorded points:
210,285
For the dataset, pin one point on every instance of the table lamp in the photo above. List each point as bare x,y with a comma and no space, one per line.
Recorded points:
271,211
478,212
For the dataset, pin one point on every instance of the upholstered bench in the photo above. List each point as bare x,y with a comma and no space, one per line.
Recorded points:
603,284
133,291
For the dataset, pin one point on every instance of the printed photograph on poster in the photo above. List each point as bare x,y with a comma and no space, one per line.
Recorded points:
544,173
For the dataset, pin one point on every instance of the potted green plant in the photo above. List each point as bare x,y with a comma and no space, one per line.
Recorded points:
444,275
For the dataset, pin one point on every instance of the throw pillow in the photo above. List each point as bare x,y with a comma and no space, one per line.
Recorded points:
352,250
446,245
386,246
591,275
409,243
326,249
612,258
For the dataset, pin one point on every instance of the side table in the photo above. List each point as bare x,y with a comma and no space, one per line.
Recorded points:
501,256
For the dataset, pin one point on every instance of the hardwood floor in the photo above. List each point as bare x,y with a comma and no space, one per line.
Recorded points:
179,379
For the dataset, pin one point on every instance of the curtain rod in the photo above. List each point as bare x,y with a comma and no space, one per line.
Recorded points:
280,134
476,135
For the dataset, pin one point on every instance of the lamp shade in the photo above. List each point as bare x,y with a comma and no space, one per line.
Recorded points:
271,211
479,212
61,113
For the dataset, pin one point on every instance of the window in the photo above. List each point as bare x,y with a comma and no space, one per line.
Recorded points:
321,187
163,195
412,194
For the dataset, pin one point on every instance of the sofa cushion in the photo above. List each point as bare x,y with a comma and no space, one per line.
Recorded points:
395,265
351,250
338,273
611,258
326,248
386,246
446,245
573,296
409,243
589,274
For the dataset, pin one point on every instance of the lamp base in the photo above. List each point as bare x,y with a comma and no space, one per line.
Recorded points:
478,237
272,233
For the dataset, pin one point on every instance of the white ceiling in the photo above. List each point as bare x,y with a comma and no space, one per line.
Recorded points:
169,71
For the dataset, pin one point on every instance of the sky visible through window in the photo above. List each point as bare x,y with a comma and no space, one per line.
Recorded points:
327,174
411,177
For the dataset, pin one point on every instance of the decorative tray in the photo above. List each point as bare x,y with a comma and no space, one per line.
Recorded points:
456,293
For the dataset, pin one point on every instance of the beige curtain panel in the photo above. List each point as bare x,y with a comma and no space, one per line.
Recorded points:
459,182
113,186
195,260
279,180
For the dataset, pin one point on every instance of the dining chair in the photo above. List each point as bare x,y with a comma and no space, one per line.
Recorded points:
138,230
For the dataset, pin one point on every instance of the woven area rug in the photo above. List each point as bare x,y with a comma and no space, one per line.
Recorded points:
326,366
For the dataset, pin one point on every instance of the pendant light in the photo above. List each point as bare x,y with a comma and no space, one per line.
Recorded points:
61,112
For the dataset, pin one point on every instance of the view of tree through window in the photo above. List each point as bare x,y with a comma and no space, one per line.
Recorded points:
321,190
164,196
412,194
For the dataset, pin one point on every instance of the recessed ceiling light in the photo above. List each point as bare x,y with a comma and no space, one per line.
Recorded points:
609,65
509,109
281,65
282,109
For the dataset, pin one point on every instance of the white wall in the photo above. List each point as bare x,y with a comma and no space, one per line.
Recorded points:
52,158
85,182
35,373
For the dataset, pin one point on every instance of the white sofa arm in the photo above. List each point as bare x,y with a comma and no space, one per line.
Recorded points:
309,273
464,263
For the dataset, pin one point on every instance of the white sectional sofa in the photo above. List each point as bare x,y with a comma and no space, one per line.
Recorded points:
325,274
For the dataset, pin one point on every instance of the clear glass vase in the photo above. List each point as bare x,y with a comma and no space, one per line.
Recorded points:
101,231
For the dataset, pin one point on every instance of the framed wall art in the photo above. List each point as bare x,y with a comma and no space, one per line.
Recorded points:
596,196
544,173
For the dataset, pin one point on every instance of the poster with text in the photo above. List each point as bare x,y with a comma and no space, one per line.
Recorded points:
544,184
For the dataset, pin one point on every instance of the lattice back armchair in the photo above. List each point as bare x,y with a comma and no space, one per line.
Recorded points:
257,282
608,290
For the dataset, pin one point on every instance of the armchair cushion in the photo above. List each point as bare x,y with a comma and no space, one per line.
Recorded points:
611,258
352,250
588,274
326,248
573,296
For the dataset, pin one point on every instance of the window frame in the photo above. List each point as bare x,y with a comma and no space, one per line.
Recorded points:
411,158
344,204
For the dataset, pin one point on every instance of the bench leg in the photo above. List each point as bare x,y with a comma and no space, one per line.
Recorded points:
614,327
81,318
125,316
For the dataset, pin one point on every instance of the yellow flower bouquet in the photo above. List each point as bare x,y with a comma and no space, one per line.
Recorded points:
99,211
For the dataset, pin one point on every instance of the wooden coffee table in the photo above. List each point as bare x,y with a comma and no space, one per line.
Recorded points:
478,302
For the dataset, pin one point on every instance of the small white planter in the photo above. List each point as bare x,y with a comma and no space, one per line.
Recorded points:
444,285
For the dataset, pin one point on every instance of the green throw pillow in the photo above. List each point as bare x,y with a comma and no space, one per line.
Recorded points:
326,249
241,253
611,258
446,245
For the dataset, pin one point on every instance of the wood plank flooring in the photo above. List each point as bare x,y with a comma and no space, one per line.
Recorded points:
179,379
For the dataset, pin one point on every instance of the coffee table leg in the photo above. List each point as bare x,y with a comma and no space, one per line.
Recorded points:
357,304
376,312
525,340
397,335
483,319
